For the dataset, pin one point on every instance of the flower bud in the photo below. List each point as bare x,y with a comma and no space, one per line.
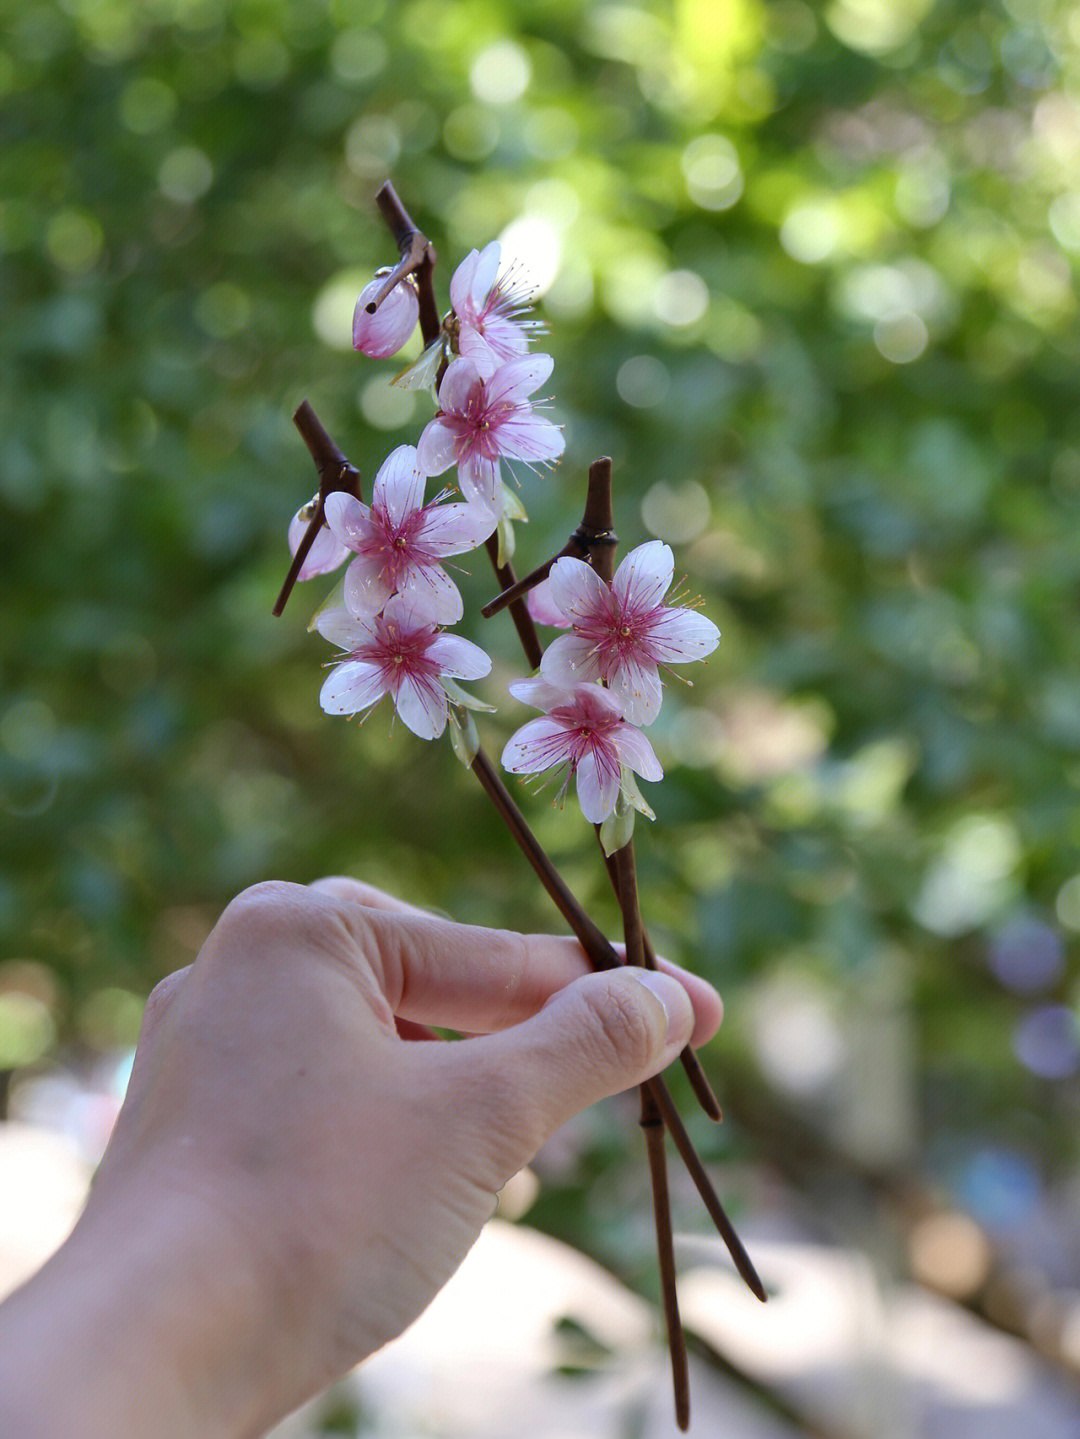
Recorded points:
384,332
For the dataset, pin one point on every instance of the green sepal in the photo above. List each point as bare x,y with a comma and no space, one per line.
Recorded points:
463,737
458,696
629,792
505,536
335,600
618,829
513,509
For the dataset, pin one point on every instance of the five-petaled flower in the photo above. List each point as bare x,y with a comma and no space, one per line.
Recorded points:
622,631
489,332
583,729
399,653
384,332
482,420
398,541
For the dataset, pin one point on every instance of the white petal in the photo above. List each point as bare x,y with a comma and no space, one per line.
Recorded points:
366,588
542,606
536,746
458,383
569,660
459,658
342,628
421,703
351,687
399,485
578,590
431,592
528,436
637,753
644,576
539,693
638,686
347,518
513,382
436,450
597,784
679,635
453,529
481,483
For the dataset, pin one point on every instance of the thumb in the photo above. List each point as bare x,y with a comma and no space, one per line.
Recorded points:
599,1035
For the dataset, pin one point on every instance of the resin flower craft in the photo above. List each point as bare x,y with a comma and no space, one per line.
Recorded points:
597,684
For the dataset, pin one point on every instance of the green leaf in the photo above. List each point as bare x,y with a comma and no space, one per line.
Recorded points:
463,737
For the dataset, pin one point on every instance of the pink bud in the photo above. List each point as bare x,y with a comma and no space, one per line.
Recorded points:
384,332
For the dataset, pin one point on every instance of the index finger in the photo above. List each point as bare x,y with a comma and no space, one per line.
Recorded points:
466,977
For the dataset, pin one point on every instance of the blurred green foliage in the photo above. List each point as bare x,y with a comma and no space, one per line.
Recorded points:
814,290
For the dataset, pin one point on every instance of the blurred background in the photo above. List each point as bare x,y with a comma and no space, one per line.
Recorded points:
810,277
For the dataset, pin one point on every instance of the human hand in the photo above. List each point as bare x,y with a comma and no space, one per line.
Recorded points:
294,1173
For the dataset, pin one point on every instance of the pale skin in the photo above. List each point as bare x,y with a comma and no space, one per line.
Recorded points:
293,1175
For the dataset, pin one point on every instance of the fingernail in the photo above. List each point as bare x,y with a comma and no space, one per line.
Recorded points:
673,997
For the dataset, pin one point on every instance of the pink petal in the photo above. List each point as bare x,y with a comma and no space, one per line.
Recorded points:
461,378
399,485
542,606
644,576
351,687
421,703
528,436
598,783
325,555
366,586
537,746
453,529
344,629
459,658
347,518
578,590
637,753
437,449
384,332
637,684
569,660
513,382
681,635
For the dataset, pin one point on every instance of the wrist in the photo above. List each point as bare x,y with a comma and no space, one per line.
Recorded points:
145,1321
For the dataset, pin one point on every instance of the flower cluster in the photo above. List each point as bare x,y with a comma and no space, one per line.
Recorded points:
599,683
396,593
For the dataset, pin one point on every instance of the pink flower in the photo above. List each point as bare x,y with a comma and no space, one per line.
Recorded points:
584,730
486,308
623,631
398,541
482,420
384,332
326,553
399,653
